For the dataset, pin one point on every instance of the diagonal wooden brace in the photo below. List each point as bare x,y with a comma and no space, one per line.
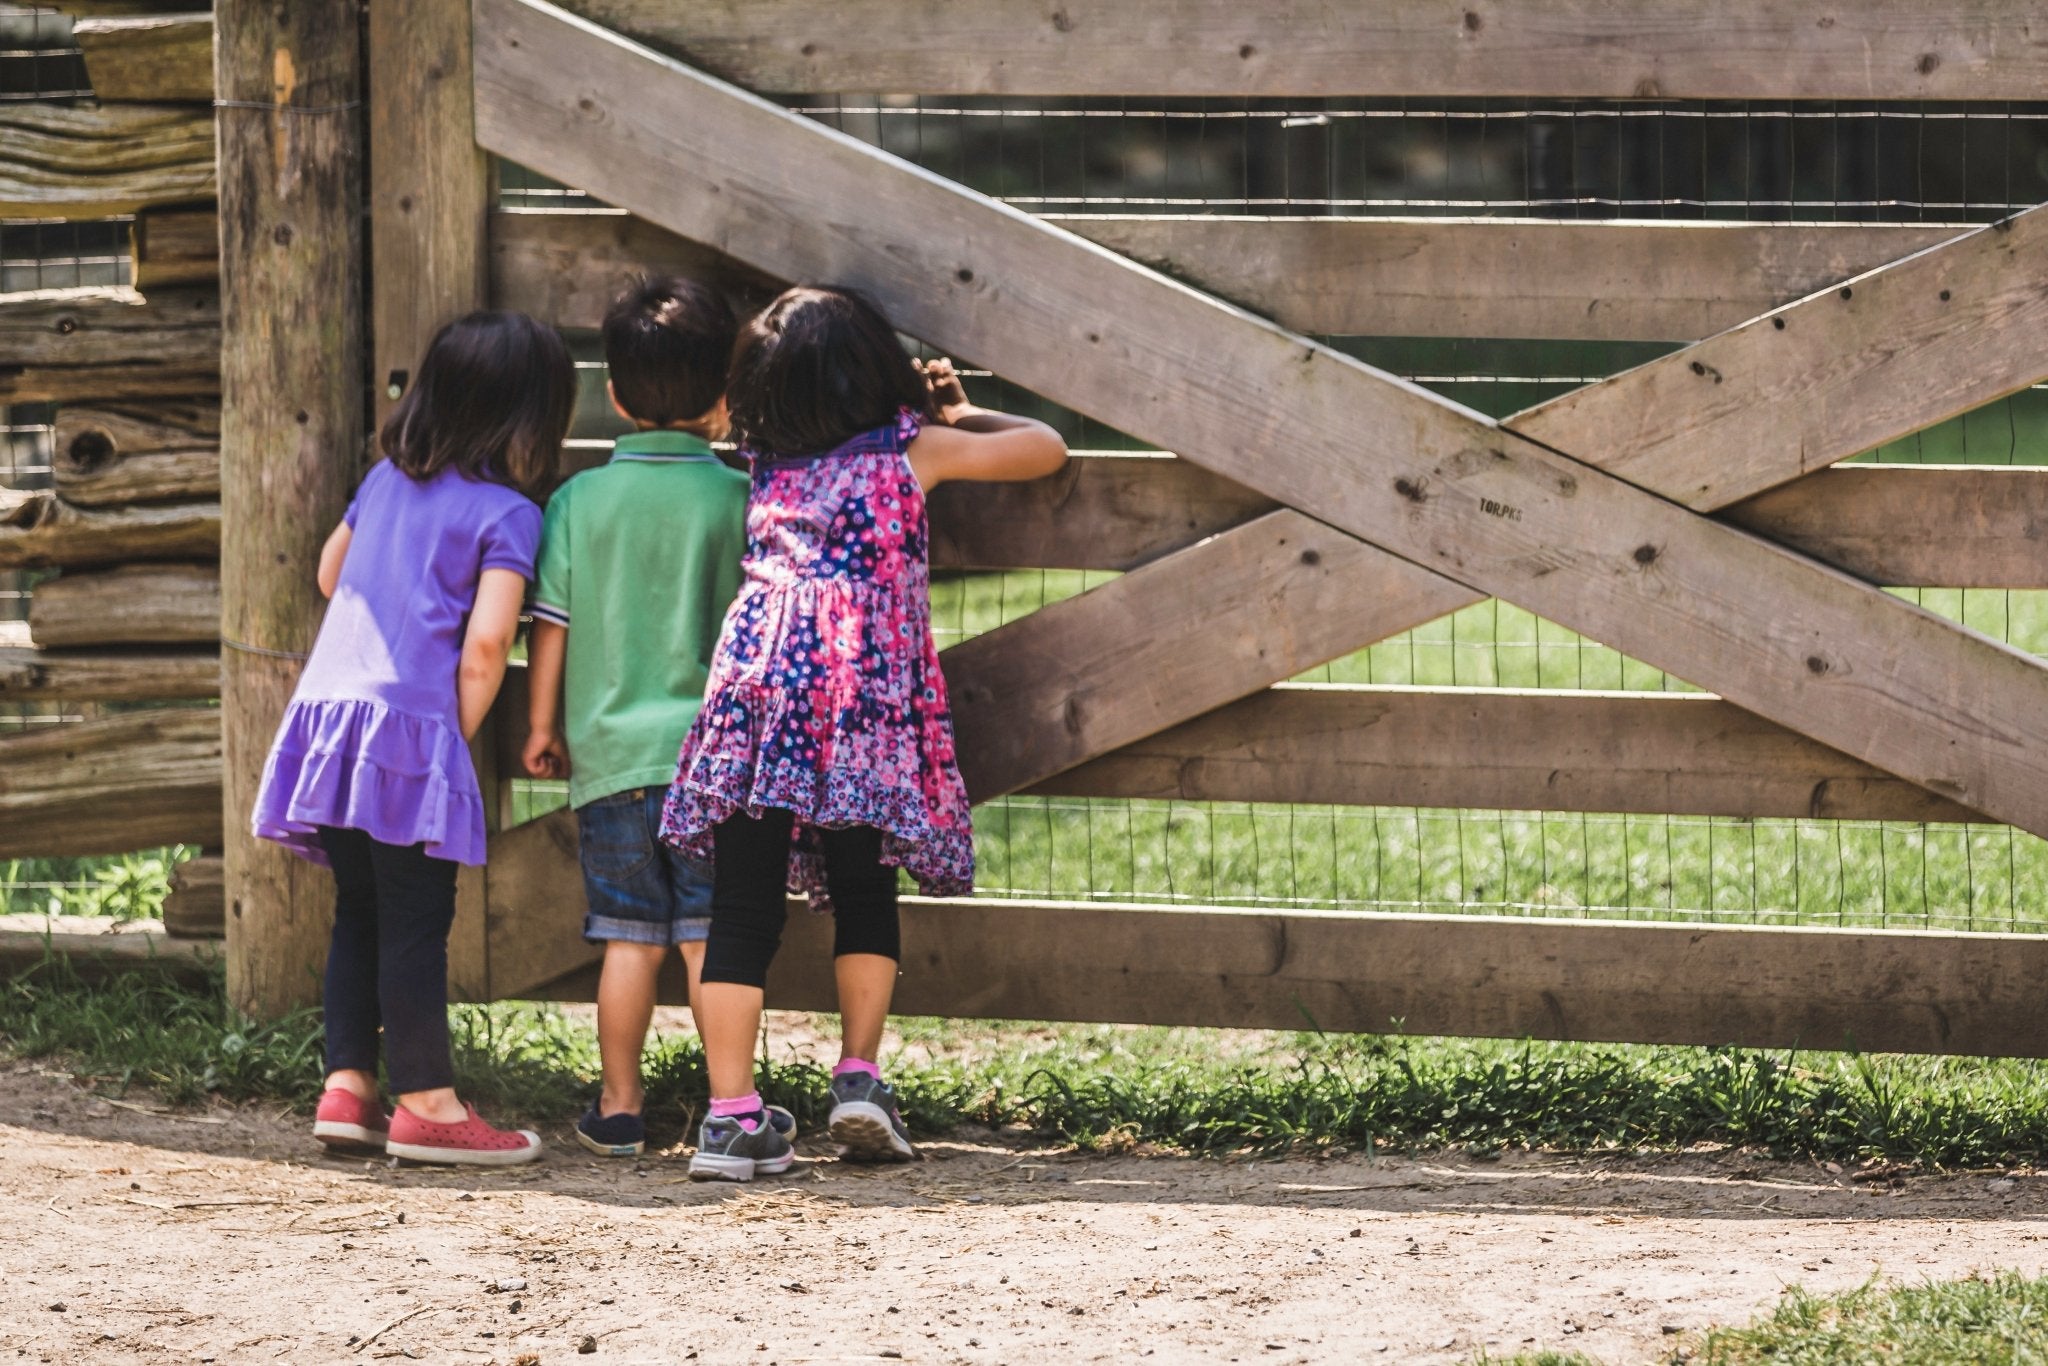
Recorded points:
1429,482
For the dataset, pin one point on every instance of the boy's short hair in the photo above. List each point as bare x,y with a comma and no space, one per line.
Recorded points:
668,342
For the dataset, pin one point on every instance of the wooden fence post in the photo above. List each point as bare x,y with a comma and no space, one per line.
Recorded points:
291,207
429,208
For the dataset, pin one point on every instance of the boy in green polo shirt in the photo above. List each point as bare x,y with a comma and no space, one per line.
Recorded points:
639,559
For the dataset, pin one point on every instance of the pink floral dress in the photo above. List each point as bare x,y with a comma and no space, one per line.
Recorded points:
825,696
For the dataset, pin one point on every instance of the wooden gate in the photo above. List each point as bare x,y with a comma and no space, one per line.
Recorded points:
1682,512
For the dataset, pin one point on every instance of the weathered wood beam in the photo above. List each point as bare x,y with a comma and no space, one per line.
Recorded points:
107,343
1487,749
111,785
61,161
39,530
1935,526
95,954
197,906
564,266
1431,482
31,675
1521,977
176,246
1408,277
132,604
1612,49
429,199
1863,362
164,57
292,410
137,452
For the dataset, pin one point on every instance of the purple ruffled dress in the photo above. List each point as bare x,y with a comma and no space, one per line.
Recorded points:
372,740
825,696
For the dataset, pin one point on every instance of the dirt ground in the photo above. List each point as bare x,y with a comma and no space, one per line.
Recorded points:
225,1237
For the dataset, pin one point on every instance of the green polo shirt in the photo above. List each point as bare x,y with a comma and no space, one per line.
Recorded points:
639,558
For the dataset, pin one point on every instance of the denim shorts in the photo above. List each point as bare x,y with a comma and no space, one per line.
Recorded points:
640,890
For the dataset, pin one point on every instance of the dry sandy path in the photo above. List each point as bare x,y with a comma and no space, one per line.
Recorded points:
224,1237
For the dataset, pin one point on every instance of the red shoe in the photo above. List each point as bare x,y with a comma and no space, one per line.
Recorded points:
471,1143
347,1121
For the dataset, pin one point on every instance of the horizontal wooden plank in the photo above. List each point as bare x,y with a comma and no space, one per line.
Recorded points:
176,246
130,604
111,785
75,161
197,905
1501,750
153,57
135,675
1506,277
1618,49
137,452
1942,526
1408,277
39,530
57,345
1594,981
95,953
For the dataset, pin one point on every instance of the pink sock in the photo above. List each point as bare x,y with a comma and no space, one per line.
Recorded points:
741,1108
861,1065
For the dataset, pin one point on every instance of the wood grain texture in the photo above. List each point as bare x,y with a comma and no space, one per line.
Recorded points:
429,198
39,530
111,785
1490,749
1435,484
130,604
97,343
564,266
66,161
1871,360
176,246
166,57
87,675
136,453
96,956
1413,277
197,905
1340,972
1937,526
1615,49
292,410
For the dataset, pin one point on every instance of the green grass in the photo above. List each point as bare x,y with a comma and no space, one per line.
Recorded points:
1994,1320
1104,1087
122,886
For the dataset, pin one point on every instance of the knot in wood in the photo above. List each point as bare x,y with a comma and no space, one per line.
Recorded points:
1646,554
1473,23
66,325
1816,665
1311,557
1927,63
1411,489
1062,21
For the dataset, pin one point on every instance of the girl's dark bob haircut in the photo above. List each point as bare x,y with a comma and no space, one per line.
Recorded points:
493,398
817,367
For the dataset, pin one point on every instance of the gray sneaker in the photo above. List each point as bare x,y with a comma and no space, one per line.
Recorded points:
865,1123
729,1151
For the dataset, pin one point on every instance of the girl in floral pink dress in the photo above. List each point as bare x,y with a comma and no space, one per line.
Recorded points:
822,760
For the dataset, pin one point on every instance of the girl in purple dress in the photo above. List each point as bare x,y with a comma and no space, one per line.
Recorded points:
822,760
371,772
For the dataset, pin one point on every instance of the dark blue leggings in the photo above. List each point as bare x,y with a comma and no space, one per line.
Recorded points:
387,965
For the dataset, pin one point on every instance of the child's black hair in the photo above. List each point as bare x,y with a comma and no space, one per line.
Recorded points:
667,342
816,367
493,398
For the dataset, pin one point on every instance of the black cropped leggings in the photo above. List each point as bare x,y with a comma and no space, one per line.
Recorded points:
387,962
749,903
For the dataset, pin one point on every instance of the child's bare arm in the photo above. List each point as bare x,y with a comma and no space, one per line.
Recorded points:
331,556
493,623
986,446
545,756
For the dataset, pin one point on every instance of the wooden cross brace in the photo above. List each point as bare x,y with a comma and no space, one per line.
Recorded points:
1399,506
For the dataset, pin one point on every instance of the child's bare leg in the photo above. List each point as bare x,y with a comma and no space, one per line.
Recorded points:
625,1007
438,1106
693,966
867,981
729,1018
